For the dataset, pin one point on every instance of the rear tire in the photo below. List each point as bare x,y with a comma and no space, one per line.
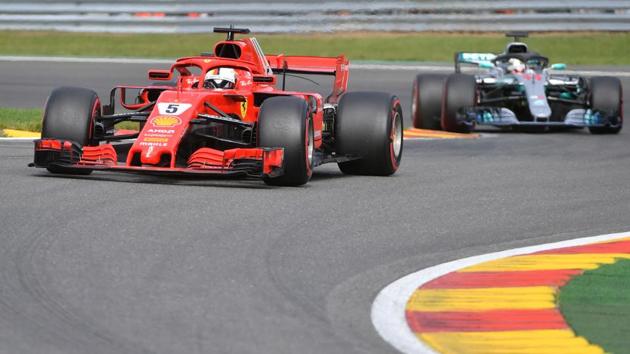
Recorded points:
70,114
460,91
606,96
369,125
284,121
426,101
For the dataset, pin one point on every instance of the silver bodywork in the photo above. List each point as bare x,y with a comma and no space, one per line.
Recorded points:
530,85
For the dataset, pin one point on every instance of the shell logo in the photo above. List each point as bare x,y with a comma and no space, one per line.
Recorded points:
166,121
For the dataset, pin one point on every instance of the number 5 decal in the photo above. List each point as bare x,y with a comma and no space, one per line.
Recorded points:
173,109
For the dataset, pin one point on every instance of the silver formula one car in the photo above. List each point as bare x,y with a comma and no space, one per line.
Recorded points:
517,89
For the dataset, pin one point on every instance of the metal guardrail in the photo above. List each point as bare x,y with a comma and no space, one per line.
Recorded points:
188,16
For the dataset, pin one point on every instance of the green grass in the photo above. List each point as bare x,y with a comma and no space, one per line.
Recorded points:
31,119
597,306
21,118
570,48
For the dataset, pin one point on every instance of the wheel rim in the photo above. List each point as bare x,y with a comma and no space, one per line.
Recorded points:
397,135
309,145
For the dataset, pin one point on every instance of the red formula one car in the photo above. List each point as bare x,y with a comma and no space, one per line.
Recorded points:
220,114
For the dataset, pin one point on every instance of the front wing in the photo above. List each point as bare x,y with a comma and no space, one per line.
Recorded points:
576,118
205,162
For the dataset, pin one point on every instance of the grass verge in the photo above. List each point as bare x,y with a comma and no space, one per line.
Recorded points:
570,48
21,119
30,119
597,306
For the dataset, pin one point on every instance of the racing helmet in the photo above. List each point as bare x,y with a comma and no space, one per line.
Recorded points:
220,78
516,65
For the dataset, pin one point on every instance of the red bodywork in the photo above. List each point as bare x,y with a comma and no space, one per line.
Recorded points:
169,117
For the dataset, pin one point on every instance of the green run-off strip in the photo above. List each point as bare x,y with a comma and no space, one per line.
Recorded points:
596,305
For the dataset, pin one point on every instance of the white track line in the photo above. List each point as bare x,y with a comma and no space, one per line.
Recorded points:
388,309
17,139
357,66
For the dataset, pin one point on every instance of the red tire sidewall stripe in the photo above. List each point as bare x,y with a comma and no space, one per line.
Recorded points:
395,162
307,138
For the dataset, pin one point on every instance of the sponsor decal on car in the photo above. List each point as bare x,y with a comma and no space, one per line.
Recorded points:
145,143
156,140
166,121
244,108
161,131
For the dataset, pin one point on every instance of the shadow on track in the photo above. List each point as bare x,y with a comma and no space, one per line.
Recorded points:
245,183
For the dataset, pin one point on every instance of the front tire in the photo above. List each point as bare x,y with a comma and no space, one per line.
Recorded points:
70,114
606,96
460,91
285,122
369,126
426,101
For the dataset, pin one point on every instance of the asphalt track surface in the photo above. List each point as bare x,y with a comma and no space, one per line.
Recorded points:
131,264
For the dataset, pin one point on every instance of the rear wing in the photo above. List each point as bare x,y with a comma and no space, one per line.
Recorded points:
472,58
309,65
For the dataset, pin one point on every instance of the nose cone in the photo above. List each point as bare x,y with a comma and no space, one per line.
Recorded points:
157,143
539,107
542,113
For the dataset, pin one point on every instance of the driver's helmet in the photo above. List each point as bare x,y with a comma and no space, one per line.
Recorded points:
516,65
220,78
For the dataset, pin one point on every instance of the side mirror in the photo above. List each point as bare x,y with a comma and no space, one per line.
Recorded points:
486,65
558,66
159,75
140,98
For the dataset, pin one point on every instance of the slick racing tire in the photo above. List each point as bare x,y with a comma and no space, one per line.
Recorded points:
606,96
70,114
369,126
285,122
460,91
426,101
